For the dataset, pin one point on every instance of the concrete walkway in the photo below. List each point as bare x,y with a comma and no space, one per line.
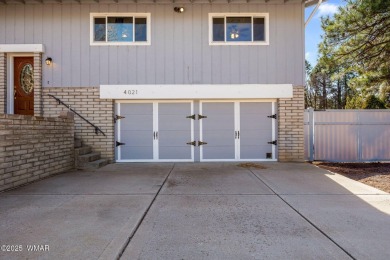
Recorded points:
196,211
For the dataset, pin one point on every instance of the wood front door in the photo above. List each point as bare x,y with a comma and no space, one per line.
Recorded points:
24,85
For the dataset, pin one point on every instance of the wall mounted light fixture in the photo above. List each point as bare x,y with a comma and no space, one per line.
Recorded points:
48,61
178,9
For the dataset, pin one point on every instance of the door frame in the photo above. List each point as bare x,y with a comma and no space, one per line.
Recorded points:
155,126
237,126
10,78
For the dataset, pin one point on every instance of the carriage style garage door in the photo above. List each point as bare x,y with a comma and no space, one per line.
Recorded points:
155,131
237,131
164,130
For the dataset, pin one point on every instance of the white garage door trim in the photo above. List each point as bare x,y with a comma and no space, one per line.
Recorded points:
205,91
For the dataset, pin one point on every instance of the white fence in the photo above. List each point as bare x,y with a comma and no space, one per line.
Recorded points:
347,135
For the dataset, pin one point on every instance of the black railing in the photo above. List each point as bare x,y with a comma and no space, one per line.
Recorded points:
60,102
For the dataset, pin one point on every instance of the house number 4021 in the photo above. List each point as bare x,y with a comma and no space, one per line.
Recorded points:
130,92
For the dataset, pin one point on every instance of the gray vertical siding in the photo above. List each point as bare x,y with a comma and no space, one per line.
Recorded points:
179,54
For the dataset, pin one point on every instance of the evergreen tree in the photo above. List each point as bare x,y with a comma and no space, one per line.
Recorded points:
353,70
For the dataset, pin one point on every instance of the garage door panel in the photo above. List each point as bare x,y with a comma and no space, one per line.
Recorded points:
136,131
219,123
174,122
138,138
255,130
136,109
174,131
137,152
219,137
255,151
176,153
218,108
174,108
258,137
256,108
218,131
219,152
137,123
176,138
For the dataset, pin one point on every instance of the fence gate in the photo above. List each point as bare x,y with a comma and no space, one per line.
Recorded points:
347,135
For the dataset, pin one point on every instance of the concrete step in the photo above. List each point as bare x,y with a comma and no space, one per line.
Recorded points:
89,157
93,165
78,143
82,150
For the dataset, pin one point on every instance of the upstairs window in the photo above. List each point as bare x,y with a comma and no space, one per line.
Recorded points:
238,29
120,29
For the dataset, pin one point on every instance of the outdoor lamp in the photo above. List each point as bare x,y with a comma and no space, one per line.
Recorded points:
179,9
48,61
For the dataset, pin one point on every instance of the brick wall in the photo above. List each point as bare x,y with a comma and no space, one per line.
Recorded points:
38,84
291,132
85,101
3,83
32,148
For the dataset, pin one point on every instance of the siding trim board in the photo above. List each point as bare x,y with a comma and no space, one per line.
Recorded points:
22,48
228,91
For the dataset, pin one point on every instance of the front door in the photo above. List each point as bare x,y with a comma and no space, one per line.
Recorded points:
24,85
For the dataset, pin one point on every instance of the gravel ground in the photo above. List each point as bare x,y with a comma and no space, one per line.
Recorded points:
374,174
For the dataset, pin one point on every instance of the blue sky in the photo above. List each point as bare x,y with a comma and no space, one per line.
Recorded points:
313,29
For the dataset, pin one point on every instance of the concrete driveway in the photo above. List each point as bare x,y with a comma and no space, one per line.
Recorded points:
196,211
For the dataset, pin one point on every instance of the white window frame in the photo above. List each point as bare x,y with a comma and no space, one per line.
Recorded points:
105,15
220,15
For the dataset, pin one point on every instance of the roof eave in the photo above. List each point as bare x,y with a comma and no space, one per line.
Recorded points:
309,3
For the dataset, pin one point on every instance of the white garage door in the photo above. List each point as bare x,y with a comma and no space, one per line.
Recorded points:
237,131
154,131
164,131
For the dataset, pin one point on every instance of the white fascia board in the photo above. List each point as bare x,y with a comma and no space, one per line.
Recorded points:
235,91
21,48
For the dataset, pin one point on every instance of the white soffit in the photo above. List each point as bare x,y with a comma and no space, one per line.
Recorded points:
21,48
245,91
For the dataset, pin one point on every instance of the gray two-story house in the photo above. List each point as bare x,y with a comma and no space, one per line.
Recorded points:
199,80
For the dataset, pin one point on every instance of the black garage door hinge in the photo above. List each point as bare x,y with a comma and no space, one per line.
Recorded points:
201,116
118,143
117,117
274,116
191,116
274,142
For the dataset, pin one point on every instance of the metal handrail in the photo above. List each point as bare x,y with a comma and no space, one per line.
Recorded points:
60,102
